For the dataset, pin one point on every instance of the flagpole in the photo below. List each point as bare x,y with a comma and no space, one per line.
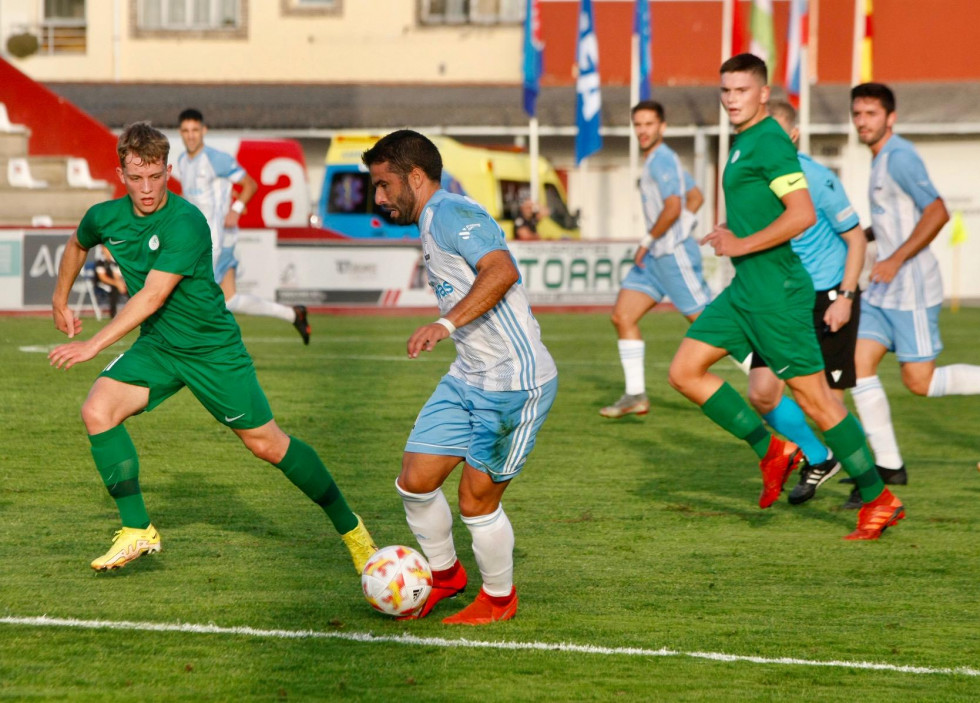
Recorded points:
727,23
634,99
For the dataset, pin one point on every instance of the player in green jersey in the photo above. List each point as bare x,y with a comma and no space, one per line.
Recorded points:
769,304
187,337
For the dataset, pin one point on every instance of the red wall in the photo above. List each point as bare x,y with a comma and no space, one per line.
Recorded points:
911,43
58,128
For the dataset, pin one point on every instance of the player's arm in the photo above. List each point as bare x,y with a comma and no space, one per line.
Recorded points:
159,285
693,199
249,188
72,261
495,274
668,216
838,312
934,216
797,217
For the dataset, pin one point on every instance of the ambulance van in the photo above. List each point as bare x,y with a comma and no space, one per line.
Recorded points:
498,179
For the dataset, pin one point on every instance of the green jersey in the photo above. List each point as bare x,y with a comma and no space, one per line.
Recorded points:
174,239
763,167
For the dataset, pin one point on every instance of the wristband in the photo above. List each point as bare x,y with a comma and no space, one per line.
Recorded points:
646,241
238,207
447,324
849,294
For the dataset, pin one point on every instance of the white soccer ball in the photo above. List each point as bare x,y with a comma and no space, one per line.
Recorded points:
396,580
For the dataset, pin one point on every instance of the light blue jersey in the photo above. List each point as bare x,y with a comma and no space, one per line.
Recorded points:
502,350
900,189
820,247
662,178
206,180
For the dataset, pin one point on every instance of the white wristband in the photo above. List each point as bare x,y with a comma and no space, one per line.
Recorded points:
646,241
447,324
238,207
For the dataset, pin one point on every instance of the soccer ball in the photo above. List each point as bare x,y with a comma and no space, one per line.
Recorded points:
396,580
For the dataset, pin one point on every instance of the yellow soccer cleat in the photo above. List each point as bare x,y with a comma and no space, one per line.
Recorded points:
360,544
128,544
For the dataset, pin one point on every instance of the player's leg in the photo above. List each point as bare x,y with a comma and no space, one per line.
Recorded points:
844,436
505,427
437,444
225,273
639,293
133,382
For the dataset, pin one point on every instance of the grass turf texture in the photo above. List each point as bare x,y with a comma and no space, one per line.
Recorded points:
633,533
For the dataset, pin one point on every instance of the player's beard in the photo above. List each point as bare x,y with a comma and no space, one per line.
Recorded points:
404,207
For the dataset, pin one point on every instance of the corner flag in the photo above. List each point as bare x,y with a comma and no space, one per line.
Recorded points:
588,101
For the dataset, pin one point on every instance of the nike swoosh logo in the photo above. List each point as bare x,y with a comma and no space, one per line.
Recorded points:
793,183
232,419
782,369
116,241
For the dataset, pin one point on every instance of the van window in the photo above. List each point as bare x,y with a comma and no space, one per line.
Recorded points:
512,194
558,208
351,193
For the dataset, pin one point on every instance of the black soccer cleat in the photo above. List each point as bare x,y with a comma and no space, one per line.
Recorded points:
890,477
811,478
853,501
302,323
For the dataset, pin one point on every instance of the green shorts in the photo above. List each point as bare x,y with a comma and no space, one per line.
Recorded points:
224,382
785,337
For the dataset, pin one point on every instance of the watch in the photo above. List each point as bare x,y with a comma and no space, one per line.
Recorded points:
849,294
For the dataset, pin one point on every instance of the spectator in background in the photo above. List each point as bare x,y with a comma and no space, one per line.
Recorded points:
109,280
526,222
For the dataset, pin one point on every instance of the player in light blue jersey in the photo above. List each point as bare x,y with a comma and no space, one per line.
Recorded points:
900,310
487,410
832,252
207,177
667,261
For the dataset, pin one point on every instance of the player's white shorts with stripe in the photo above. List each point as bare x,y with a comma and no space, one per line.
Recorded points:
676,275
912,334
494,430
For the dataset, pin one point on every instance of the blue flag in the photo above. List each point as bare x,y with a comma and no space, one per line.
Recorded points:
533,54
588,101
643,29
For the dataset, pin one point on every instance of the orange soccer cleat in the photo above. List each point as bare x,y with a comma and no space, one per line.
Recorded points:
877,516
446,583
486,609
781,459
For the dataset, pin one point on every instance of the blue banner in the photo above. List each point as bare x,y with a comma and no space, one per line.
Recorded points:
643,29
533,55
588,101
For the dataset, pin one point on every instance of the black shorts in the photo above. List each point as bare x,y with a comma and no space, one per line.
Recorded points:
837,347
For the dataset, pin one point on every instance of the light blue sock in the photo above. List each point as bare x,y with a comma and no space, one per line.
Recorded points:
788,420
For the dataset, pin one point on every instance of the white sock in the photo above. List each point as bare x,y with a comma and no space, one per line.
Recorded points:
493,547
254,305
955,379
431,520
631,353
876,417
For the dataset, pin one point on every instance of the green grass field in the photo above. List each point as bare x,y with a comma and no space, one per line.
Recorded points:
640,546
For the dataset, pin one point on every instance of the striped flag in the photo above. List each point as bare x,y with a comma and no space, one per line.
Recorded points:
763,39
798,37
588,100
533,56
643,30
867,63
740,43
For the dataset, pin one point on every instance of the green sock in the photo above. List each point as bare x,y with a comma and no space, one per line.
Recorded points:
117,462
728,410
849,445
303,467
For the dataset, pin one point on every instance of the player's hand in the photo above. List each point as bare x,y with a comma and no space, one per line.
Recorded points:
66,321
723,241
838,313
639,256
231,219
67,355
885,270
425,338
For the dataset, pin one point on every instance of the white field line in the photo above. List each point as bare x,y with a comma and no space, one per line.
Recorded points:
407,639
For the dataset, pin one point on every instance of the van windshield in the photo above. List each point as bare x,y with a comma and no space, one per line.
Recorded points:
351,193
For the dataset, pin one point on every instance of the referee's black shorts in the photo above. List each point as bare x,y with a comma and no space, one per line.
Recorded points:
837,347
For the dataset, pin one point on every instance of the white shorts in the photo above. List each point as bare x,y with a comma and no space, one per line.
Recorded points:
678,276
912,334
